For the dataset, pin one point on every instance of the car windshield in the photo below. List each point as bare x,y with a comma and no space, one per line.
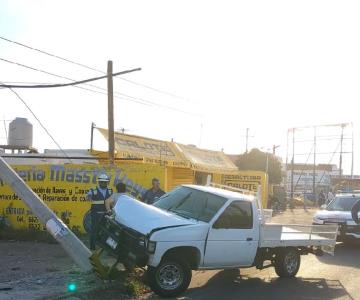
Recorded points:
342,203
191,203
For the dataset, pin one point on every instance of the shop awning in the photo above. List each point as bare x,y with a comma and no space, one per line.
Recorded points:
150,150
206,160
174,154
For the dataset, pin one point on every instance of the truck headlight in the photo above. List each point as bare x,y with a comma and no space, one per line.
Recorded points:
151,246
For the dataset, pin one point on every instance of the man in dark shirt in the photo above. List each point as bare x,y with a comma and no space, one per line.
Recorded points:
322,198
153,194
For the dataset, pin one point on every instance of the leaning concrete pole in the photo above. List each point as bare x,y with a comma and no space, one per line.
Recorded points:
66,238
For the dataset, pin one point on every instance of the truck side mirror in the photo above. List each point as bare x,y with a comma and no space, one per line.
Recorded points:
323,206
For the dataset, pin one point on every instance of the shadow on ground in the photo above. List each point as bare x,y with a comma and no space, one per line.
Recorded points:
231,285
346,254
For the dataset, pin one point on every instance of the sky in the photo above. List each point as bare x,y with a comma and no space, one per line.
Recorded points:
232,65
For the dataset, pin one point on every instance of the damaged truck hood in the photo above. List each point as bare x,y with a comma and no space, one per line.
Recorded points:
145,218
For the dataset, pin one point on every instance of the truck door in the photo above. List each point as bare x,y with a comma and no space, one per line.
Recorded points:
233,237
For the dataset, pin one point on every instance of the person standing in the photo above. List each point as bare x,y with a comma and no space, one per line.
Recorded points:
322,198
330,197
97,196
110,202
153,194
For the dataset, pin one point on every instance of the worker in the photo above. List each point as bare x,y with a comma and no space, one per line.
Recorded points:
330,197
110,202
321,198
153,194
97,196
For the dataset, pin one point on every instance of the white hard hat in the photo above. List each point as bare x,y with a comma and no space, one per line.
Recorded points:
103,177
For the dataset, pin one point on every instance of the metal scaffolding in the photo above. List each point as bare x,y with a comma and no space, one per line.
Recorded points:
339,133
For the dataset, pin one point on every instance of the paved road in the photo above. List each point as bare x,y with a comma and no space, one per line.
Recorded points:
324,277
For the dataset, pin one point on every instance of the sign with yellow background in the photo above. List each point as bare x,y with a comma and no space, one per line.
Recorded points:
247,180
64,188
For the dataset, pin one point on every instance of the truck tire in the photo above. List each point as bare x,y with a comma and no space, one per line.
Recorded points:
287,263
170,278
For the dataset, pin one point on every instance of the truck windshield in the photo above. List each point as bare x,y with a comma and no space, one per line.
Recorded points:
191,203
342,203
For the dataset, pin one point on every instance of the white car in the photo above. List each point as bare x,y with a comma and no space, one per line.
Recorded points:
338,211
202,228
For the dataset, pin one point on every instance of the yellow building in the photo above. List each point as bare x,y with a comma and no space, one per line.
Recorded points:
186,164
63,185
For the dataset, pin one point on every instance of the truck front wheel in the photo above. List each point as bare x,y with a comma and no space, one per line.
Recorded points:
287,263
170,278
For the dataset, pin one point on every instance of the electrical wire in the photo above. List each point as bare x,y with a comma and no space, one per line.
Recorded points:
92,68
324,153
38,86
45,72
122,95
49,54
155,89
41,124
58,76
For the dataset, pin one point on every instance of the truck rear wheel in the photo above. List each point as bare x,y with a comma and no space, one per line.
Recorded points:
170,278
287,263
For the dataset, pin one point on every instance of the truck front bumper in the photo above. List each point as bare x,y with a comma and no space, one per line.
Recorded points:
126,244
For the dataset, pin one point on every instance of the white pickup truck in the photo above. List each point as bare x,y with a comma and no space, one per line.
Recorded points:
197,228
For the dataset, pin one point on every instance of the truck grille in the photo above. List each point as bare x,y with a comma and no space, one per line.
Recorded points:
130,244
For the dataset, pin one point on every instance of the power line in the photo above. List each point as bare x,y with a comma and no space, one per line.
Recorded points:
122,95
92,68
48,73
38,86
155,89
324,153
41,124
24,82
49,54
45,72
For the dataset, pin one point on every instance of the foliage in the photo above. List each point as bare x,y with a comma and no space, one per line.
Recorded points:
256,160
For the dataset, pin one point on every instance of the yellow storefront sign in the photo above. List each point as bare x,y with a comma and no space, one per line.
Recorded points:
247,180
64,188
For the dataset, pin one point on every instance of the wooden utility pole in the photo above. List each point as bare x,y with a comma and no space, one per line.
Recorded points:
274,149
92,136
314,164
341,149
292,169
352,151
111,112
247,139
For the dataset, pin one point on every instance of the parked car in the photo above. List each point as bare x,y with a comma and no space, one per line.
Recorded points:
201,228
338,212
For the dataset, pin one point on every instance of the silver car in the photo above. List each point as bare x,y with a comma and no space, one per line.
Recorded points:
338,211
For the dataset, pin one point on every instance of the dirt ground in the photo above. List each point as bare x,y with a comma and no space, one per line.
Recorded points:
296,216
33,270
37,270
